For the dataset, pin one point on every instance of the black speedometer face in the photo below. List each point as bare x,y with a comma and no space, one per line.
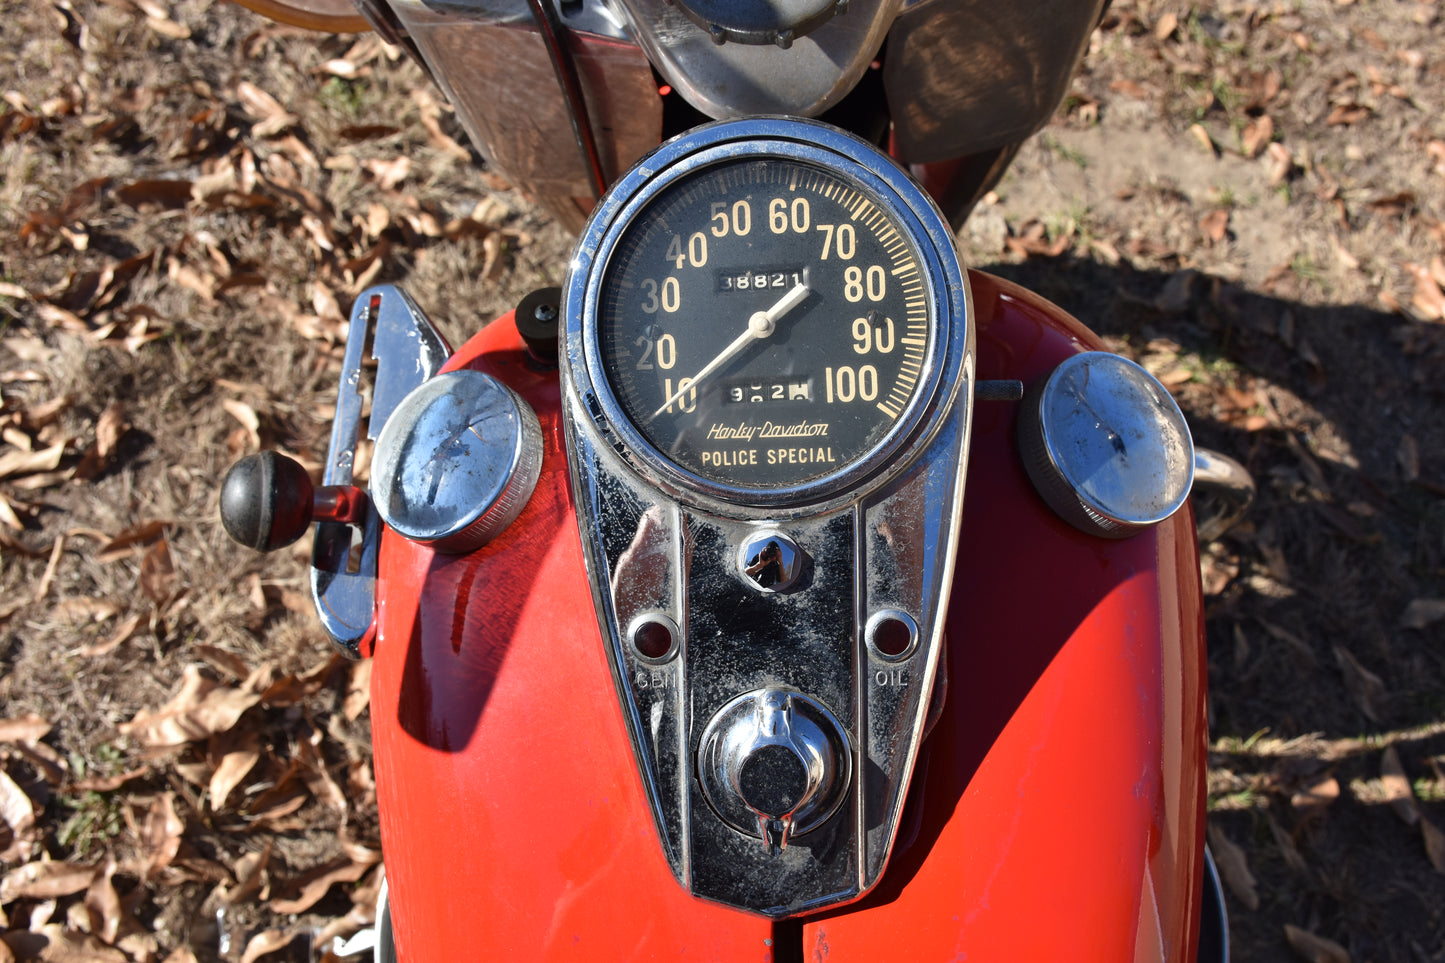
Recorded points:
764,322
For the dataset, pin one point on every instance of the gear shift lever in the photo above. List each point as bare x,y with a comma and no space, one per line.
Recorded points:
267,502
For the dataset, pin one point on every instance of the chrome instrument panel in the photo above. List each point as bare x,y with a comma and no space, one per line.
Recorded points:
851,630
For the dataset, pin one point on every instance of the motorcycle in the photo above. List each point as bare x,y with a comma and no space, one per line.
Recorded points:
686,640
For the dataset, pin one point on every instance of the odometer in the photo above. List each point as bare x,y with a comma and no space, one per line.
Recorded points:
763,317
764,322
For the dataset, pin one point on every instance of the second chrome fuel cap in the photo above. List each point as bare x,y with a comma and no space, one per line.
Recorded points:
456,462
1105,445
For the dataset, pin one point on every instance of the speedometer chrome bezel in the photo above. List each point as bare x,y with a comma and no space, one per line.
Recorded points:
844,156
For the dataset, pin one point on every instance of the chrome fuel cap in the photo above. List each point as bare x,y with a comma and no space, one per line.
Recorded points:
774,764
1105,445
456,461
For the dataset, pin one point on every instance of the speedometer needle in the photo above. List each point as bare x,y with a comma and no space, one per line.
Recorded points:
761,325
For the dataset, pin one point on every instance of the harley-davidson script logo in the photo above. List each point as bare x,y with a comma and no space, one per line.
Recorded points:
746,431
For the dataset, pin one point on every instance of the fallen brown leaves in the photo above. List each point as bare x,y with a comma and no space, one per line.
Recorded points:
215,736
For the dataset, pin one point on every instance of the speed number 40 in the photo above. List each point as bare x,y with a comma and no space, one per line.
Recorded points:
735,219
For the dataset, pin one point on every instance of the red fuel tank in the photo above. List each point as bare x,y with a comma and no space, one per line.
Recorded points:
1056,811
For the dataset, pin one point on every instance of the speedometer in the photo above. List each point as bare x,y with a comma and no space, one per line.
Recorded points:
762,316
765,322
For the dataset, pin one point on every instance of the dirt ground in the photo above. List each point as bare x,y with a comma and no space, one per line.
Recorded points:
1247,198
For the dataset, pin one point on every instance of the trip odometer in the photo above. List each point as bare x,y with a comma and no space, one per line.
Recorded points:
764,315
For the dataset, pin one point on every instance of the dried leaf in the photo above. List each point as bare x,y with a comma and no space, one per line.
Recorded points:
18,812
42,913
29,728
389,174
109,430
56,550
29,462
157,573
271,117
291,689
1421,613
1316,795
1434,841
430,111
167,27
1201,135
1429,299
248,418
201,282
1258,135
1215,225
1397,787
108,783
237,757
314,887
267,942
318,777
1436,151
227,662
45,880
358,689
1281,163
250,873
49,763
271,807
1346,114
1407,456
1166,25
198,710
1343,257
359,852
142,534
83,608
125,630
1367,688
1233,867
103,904
161,834
64,945
1315,949
32,350
171,195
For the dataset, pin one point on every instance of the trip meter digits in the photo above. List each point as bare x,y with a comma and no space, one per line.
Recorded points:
763,314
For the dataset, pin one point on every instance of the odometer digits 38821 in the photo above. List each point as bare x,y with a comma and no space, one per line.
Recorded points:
764,316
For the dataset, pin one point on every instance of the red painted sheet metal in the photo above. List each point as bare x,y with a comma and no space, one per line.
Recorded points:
1061,811
1056,812
513,820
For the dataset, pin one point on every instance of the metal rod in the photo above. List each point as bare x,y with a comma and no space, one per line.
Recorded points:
572,90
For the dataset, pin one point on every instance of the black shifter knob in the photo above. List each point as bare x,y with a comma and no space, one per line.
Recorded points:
267,500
